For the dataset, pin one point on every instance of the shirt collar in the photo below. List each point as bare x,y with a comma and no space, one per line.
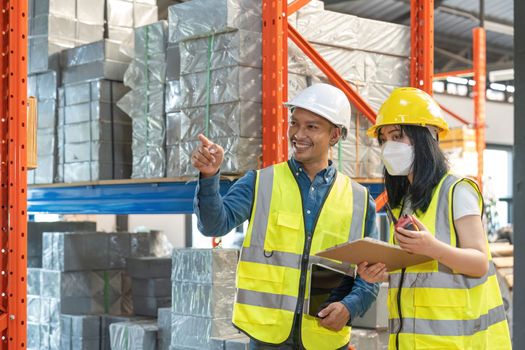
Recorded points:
327,174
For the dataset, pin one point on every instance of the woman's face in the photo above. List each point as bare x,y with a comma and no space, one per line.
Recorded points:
393,133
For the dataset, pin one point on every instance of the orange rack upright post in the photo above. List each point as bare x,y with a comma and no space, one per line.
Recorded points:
480,76
13,174
422,44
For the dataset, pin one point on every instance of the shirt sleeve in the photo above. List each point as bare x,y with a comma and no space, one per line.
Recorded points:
465,201
363,293
217,215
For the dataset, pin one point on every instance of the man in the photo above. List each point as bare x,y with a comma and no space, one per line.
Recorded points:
295,209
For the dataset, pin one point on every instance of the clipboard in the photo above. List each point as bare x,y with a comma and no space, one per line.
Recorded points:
373,251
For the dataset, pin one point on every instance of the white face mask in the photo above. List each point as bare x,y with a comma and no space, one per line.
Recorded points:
397,157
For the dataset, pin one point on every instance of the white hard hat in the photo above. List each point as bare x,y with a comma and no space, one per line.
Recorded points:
325,100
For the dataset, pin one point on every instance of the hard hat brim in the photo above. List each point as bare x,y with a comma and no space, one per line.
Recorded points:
373,130
319,113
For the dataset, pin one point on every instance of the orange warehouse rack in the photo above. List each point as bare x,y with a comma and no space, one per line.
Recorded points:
13,173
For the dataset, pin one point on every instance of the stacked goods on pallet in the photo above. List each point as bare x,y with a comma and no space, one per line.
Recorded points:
172,109
35,232
94,136
203,282
233,342
80,332
150,284
105,323
83,274
44,86
146,76
371,55
135,335
164,324
459,145
55,25
124,15
220,82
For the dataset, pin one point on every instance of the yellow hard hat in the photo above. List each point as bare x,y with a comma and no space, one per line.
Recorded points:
408,105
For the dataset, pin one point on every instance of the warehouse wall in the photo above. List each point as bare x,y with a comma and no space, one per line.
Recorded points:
500,117
172,225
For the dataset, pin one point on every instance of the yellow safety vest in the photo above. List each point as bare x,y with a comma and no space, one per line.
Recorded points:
442,309
276,255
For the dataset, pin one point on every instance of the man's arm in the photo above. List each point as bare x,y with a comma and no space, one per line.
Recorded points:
363,293
218,215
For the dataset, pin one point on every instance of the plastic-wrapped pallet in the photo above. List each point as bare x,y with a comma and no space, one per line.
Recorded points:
164,324
352,32
82,292
98,60
230,342
106,321
80,332
51,293
145,102
229,113
192,19
55,25
136,335
150,284
172,78
94,136
203,282
124,15
35,231
229,49
226,119
39,333
355,66
229,84
43,86
72,251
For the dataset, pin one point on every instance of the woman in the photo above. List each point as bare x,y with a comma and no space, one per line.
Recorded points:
453,301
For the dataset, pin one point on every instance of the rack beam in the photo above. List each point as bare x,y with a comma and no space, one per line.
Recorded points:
331,74
121,198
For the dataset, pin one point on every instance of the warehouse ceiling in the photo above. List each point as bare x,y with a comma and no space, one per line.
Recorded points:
454,21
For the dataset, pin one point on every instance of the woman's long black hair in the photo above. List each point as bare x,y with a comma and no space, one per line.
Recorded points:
430,165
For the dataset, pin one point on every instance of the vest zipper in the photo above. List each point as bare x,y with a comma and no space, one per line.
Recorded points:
306,254
400,313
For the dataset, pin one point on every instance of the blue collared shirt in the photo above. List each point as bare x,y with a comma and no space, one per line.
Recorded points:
217,215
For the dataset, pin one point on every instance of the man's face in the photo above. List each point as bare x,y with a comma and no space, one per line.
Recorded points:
311,136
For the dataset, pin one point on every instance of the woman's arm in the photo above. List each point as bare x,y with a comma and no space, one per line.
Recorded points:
470,258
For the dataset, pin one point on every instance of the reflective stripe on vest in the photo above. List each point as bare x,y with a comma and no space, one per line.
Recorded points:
450,327
441,308
269,271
